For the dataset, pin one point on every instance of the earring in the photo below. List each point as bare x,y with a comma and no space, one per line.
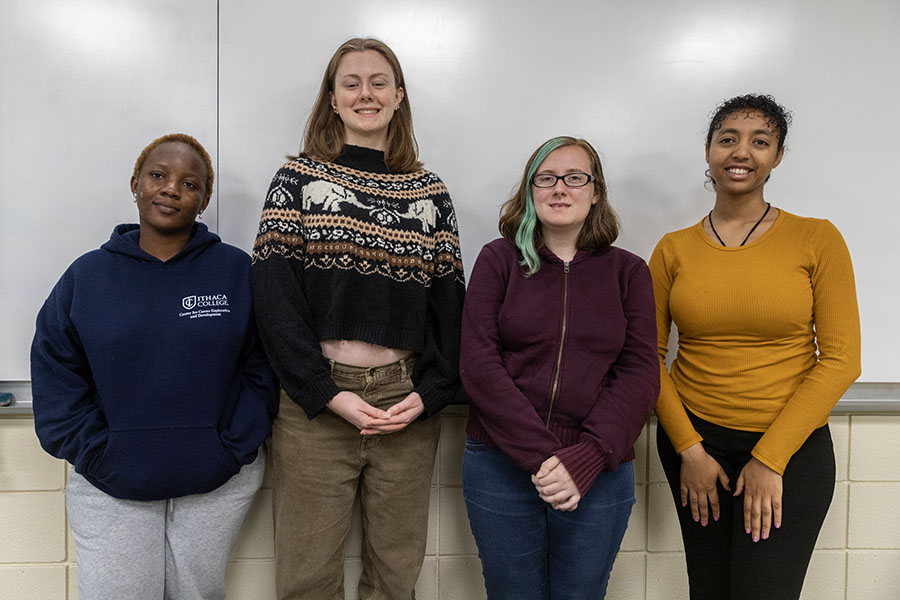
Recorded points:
334,108
396,108
135,197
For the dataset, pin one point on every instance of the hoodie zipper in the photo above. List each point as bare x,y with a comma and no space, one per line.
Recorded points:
562,341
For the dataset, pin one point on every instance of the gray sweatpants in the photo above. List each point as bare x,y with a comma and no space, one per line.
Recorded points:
175,549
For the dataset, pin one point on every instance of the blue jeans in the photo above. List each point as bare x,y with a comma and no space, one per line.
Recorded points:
530,551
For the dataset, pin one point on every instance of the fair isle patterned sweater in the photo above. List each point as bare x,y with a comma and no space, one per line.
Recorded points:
351,251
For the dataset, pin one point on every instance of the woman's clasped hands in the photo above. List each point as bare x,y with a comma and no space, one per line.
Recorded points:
375,421
555,486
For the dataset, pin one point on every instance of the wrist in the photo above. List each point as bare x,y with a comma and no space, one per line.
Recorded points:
338,400
692,453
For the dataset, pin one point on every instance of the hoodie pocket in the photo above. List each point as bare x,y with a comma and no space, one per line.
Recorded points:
155,464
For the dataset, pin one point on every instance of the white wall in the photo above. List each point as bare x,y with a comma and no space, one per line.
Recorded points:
84,86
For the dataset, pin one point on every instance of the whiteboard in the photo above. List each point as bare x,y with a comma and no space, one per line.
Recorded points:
84,86
83,90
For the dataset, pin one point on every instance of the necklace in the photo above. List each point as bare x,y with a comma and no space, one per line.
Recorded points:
749,233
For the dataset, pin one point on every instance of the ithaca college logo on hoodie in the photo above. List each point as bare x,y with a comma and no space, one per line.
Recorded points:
208,305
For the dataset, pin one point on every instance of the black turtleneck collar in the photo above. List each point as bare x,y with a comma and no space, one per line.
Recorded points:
362,159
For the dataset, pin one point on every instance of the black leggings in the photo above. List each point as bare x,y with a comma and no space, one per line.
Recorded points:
723,563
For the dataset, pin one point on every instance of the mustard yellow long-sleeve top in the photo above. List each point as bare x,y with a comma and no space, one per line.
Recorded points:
768,333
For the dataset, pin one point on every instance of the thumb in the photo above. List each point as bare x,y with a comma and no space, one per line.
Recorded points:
371,411
739,486
723,479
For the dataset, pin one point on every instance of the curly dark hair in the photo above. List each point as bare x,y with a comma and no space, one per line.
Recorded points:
778,117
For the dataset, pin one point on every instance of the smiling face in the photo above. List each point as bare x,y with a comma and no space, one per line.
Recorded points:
742,153
170,190
365,97
562,210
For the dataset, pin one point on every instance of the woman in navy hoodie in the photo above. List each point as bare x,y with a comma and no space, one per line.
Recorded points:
558,358
149,378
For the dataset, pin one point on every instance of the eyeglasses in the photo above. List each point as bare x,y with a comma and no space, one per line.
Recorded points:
572,180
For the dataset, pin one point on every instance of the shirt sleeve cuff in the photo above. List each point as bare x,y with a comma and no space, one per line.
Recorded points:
769,462
583,461
315,395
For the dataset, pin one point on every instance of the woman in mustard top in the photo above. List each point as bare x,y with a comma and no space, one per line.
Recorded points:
765,306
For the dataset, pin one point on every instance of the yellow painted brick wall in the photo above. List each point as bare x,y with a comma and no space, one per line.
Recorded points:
33,554
857,555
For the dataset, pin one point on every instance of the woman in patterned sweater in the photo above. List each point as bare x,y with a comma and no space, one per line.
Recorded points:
358,287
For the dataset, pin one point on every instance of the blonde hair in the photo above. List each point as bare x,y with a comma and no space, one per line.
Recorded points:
323,137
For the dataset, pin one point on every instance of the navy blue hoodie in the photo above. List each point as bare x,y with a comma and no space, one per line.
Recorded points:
148,376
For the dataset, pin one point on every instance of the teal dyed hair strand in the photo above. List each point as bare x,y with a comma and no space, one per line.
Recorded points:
525,233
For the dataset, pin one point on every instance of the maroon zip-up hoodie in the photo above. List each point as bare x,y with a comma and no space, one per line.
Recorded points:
562,362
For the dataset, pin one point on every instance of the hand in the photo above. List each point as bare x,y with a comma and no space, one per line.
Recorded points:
399,415
555,486
762,498
357,411
699,473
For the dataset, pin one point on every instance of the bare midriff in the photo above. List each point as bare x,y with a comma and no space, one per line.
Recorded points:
361,354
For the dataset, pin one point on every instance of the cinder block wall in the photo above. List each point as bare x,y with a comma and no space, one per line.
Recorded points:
858,555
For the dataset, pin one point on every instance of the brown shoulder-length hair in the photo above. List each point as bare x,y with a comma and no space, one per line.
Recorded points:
518,220
323,138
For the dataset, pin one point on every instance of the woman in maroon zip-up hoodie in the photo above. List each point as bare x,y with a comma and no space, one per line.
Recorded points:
559,359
